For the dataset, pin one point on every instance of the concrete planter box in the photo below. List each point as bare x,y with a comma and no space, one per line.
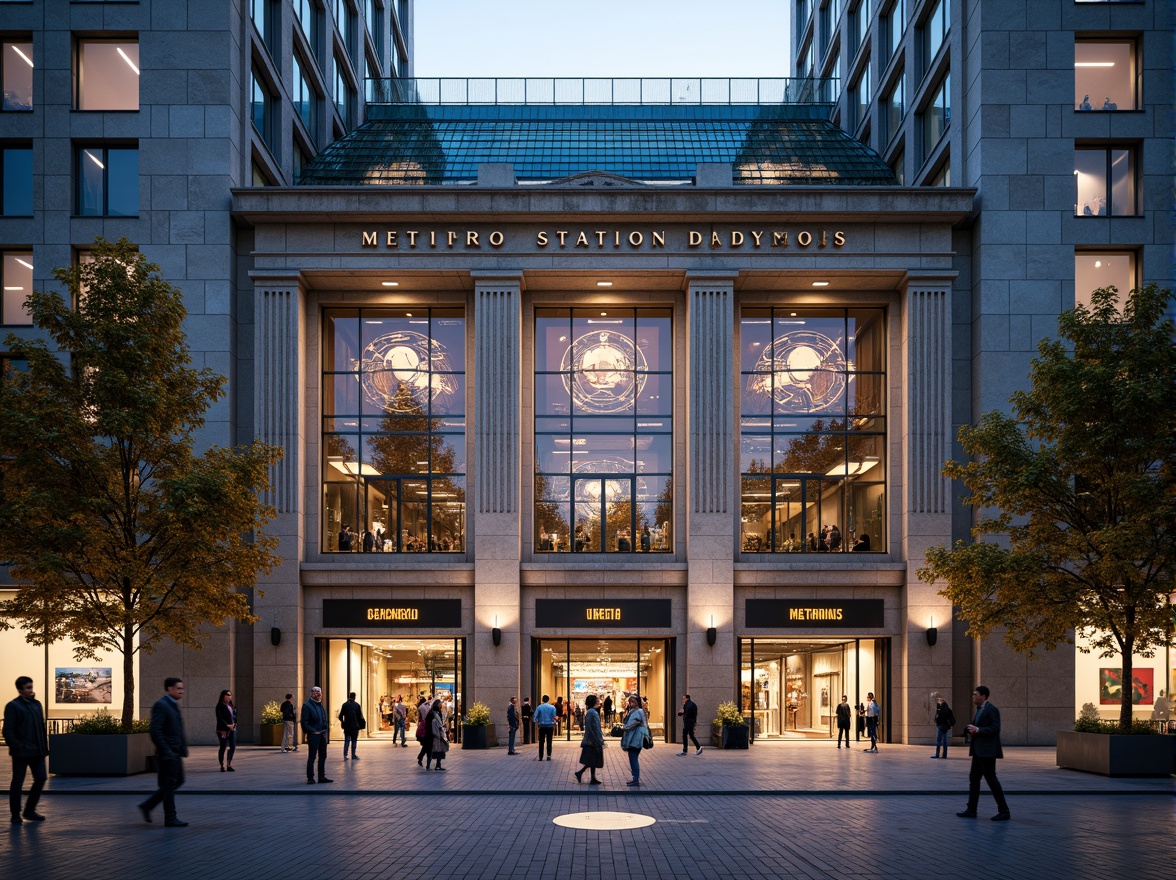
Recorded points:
1116,754
730,737
114,754
271,734
479,736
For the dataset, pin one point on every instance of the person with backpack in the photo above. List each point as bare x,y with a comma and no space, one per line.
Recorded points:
944,722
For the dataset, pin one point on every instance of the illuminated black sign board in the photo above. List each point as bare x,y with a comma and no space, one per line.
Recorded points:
614,613
808,613
414,613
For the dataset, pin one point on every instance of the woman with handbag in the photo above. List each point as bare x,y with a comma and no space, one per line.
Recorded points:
592,746
634,737
226,729
439,736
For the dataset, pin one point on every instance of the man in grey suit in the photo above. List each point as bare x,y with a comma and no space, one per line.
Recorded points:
171,747
985,749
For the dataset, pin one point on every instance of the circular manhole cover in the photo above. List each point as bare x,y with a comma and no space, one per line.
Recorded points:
604,821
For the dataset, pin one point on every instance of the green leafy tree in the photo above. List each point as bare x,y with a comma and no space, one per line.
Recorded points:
1078,486
121,534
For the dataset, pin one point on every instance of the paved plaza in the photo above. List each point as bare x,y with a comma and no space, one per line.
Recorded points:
790,810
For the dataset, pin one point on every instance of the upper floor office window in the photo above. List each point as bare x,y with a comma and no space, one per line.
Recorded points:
898,166
859,96
942,175
935,29
1105,75
893,107
106,75
346,22
604,440
17,271
937,116
374,18
305,99
263,110
804,9
825,25
1097,269
16,185
894,23
1104,180
859,23
344,94
394,451
266,15
16,75
812,425
308,15
107,181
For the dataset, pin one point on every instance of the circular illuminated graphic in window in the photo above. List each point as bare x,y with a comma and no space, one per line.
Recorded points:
604,371
801,370
404,371
593,495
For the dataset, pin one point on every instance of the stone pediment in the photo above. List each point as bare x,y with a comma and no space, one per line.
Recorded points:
600,179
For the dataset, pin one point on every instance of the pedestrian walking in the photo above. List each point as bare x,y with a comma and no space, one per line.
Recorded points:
314,724
171,747
439,736
944,722
527,711
872,711
226,730
561,711
592,744
689,715
28,744
423,734
633,739
289,722
512,724
399,721
985,750
545,722
844,715
351,717
608,709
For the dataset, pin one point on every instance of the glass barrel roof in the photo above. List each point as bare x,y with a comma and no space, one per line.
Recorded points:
418,144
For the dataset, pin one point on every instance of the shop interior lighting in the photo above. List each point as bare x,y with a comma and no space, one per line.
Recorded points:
94,159
27,59
1094,63
820,284
604,284
125,58
29,265
390,283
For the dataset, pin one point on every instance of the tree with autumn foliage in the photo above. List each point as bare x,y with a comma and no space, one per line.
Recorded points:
120,534
1076,492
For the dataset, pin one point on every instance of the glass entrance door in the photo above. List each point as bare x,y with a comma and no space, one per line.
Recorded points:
379,669
790,688
612,669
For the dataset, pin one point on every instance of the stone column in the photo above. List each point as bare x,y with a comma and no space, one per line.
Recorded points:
712,491
926,435
279,401
496,431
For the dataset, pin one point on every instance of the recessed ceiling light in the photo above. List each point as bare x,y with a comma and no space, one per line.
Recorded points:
390,283
1094,63
820,284
604,314
604,284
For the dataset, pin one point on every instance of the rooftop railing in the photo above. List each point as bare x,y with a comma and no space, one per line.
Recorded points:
580,91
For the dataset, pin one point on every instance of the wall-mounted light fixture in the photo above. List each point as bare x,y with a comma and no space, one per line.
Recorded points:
712,634
275,636
932,634
496,633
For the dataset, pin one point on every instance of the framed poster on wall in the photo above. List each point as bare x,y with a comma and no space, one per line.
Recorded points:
1110,686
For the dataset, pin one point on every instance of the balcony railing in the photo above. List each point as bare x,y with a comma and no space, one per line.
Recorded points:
573,91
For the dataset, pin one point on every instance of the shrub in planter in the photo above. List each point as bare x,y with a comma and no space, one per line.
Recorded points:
271,724
729,727
97,746
477,729
1098,746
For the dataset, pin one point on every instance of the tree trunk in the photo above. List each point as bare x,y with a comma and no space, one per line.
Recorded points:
128,652
1128,693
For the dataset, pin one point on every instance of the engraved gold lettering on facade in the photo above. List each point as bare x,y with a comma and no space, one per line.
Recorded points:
804,239
390,241
815,614
369,239
393,614
603,613
695,238
736,238
541,239
659,239
839,239
412,234
636,239
779,239
497,239
472,238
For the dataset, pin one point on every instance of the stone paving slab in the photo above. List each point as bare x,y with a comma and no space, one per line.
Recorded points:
796,768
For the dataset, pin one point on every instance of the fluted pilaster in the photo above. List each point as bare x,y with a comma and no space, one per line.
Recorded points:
711,309
277,400
497,331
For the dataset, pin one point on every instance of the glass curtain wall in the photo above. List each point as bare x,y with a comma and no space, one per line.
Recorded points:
790,688
603,430
380,668
813,430
572,669
394,456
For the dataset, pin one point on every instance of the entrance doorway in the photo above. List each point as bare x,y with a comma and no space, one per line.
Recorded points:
790,688
610,668
379,668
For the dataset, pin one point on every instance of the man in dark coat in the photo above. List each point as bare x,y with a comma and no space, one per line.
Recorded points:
171,747
512,723
689,716
985,749
24,731
314,725
351,717
844,713
527,712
